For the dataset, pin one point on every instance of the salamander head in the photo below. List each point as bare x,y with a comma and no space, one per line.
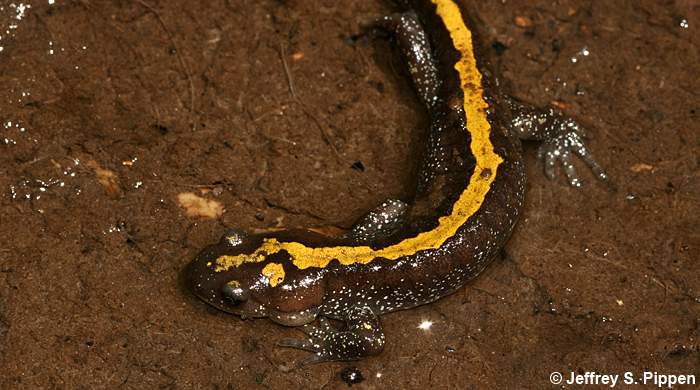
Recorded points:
237,277
228,289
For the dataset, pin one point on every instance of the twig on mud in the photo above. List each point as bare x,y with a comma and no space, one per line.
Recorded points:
33,161
287,72
324,134
281,139
183,64
290,82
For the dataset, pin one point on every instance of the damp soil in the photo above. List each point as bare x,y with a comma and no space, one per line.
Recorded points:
283,113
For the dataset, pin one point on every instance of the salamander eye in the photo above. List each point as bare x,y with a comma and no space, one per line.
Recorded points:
234,292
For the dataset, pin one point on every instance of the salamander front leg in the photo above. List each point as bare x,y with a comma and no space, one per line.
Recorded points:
363,337
380,223
561,136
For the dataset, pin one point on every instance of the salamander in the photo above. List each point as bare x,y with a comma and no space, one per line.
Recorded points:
409,252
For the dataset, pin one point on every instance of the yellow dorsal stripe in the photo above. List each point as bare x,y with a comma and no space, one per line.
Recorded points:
469,202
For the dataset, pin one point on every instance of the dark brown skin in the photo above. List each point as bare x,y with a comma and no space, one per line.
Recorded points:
358,293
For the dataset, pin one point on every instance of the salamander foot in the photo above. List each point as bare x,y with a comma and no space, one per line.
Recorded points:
567,140
561,137
363,337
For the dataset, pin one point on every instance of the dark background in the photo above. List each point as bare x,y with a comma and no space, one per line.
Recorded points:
110,109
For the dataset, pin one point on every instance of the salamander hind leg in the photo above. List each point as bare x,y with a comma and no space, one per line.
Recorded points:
362,337
568,142
562,138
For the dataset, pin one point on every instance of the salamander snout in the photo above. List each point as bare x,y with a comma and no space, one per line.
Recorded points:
228,287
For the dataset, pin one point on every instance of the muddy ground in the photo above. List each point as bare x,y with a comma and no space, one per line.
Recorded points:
284,114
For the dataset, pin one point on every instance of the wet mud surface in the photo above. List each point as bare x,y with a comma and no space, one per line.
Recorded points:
285,115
